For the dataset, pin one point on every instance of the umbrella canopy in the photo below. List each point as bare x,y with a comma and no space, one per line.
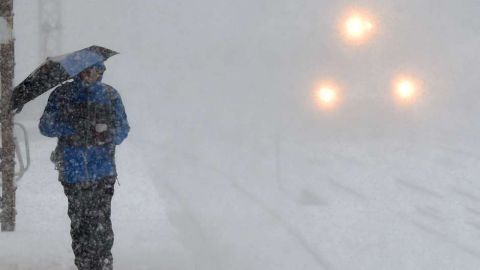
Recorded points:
56,70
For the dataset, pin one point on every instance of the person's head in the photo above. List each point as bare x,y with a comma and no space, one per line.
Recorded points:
93,74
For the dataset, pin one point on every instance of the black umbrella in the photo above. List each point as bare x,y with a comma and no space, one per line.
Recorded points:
56,70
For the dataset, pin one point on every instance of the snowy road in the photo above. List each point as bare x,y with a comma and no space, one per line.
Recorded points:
350,206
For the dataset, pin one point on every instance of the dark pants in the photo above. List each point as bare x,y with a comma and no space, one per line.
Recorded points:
89,209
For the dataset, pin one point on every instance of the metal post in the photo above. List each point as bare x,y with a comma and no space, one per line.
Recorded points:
50,23
7,165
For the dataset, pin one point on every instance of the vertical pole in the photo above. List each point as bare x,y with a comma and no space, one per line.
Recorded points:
50,27
7,165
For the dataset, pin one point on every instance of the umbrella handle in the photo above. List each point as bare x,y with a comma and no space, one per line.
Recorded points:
18,110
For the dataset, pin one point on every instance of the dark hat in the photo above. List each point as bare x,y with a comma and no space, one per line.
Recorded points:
100,66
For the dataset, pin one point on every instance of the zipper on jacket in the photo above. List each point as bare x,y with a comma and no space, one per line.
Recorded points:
86,165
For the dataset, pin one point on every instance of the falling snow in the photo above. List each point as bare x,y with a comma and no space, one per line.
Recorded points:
233,162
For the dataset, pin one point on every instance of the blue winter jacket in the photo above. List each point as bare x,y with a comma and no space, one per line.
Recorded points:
61,119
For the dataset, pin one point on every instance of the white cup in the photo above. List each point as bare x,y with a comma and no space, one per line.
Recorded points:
101,128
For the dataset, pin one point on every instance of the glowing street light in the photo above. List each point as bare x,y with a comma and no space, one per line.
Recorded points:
405,89
326,96
357,27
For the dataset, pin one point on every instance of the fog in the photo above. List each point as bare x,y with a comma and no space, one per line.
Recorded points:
253,65
219,95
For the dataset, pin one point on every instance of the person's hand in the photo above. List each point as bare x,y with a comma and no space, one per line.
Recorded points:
102,134
99,128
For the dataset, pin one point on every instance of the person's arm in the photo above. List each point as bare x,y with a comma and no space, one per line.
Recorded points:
51,124
121,127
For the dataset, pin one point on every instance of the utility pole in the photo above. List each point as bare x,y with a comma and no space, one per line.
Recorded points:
7,164
50,23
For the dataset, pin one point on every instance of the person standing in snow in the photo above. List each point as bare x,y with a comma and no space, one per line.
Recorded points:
89,120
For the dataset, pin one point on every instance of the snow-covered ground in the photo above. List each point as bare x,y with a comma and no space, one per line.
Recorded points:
331,206
230,166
